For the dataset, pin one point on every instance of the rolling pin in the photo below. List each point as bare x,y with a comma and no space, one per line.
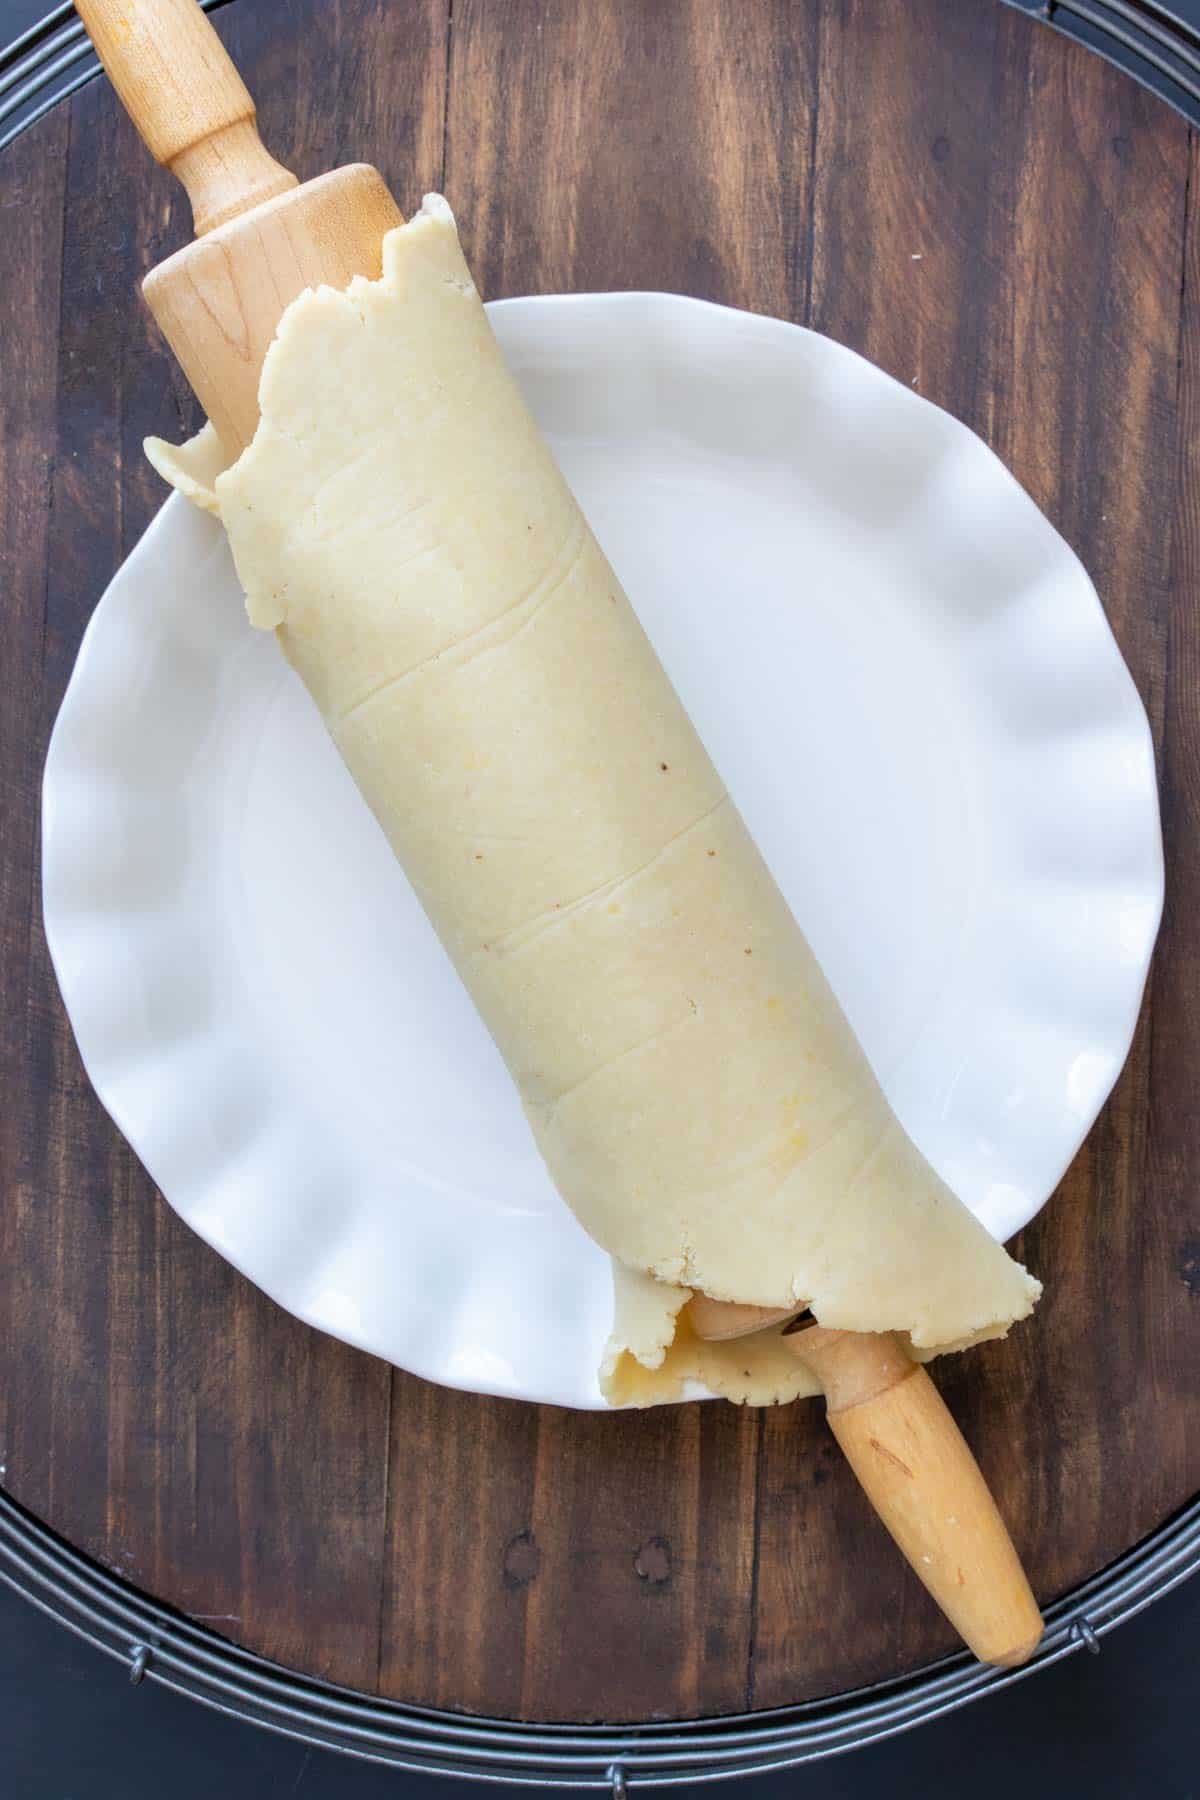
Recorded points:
916,1469
262,238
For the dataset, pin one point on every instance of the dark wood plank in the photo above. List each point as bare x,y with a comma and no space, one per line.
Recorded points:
790,159
630,1533
1042,193
167,1417
622,145
907,132
595,1567
1169,1228
179,1401
31,207
645,1609
462,1554
1090,428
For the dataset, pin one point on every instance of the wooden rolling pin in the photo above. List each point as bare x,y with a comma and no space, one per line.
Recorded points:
917,1472
261,239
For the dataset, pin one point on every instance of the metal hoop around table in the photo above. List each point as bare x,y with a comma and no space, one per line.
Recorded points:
161,1646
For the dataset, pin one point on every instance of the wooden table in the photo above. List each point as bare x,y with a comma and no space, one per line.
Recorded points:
794,157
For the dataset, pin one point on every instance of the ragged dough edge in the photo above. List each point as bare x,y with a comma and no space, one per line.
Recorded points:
196,468
653,1356
192,468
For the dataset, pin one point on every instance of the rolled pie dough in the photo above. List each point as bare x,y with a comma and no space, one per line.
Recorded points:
688,1075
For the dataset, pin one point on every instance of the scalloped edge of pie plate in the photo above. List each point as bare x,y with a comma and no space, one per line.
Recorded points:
979,866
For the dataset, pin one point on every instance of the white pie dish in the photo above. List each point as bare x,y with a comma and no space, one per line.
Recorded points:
909,686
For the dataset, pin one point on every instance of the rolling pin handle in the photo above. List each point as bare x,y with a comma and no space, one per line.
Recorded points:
919,1475
189,103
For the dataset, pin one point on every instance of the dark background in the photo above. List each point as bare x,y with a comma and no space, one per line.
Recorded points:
1124,1723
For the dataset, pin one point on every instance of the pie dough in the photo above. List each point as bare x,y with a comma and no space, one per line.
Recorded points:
689,1077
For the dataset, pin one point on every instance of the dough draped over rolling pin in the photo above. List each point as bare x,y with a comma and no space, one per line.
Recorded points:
689,1077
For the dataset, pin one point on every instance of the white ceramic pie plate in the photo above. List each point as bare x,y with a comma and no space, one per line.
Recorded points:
909,685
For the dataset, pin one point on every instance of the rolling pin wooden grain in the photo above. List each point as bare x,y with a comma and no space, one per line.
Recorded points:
917,1471
261,237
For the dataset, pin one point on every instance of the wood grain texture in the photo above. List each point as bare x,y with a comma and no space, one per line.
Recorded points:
993,215
1043,195
189,103
32,198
